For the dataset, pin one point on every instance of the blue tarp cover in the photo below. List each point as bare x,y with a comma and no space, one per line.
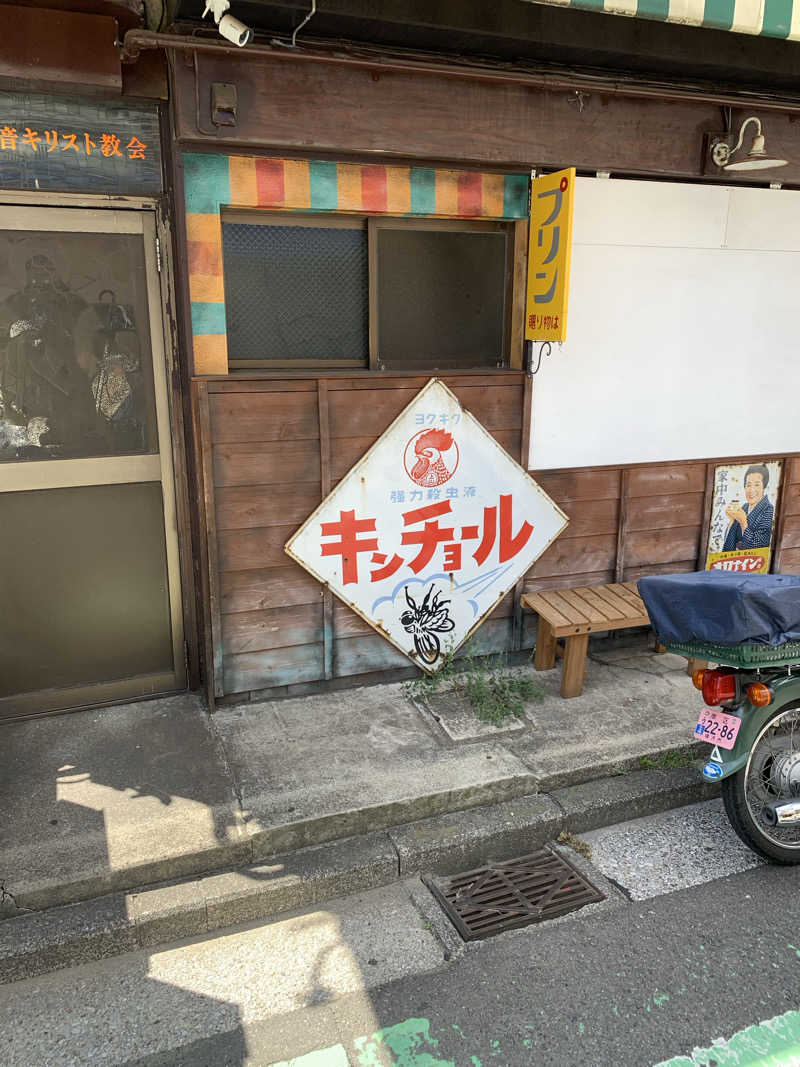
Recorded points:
721,608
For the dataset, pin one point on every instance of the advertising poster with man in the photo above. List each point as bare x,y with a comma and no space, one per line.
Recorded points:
743,517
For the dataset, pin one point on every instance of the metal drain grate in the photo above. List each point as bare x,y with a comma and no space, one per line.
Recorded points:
505,896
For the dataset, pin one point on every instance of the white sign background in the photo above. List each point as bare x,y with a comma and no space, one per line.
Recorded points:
397,539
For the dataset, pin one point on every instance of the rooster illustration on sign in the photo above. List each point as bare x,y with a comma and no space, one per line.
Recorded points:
425,457
425,622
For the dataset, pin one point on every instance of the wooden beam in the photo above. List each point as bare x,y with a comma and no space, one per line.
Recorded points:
318,111
622,525
518,296
779,521
325,483
519,588
705,532
209,573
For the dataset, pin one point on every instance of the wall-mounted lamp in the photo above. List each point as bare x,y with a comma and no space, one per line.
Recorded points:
756,159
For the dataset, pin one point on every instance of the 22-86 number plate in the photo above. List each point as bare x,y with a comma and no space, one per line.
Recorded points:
717,728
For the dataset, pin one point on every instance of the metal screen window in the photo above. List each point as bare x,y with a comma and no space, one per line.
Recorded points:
296,292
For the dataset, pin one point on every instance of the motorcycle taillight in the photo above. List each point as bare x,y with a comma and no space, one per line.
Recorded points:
718,687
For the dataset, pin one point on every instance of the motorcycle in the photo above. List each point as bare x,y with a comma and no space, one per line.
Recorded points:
755,736
751,716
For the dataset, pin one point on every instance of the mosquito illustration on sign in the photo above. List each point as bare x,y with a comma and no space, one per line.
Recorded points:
426,622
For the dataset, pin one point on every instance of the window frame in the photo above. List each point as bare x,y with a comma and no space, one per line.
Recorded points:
376,223
516,231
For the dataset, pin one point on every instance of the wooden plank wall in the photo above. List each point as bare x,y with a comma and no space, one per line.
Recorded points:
270,451
626,522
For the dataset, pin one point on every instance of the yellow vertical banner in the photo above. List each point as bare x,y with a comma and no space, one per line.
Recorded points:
549,254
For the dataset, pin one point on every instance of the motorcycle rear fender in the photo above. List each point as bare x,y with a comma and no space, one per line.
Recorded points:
786,691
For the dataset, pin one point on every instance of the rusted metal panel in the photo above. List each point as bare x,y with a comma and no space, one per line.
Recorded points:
60,47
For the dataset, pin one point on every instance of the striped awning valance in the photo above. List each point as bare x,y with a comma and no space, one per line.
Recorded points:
765,18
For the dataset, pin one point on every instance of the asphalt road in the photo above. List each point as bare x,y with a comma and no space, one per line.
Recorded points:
632,988
629,983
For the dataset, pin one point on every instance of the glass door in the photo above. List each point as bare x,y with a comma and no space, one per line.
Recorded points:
89,574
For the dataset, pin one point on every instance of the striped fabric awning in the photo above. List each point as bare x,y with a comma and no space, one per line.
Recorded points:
765,18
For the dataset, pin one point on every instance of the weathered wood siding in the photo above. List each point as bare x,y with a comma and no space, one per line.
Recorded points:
296,106
629,521
270,450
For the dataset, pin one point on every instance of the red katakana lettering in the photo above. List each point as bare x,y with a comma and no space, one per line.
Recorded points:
430,536
452,557
394,564
136,149
109,145
511,544
31,138
481,553
348,546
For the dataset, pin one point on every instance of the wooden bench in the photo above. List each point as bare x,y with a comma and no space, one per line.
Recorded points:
575,613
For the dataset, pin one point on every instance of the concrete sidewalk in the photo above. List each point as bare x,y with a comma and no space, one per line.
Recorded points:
118,798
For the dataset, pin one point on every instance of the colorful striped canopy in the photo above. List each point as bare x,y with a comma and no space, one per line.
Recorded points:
764,18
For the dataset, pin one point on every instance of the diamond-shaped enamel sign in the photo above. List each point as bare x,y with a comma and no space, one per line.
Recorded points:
429,530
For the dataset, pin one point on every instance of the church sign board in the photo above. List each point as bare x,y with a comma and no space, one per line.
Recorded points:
75,144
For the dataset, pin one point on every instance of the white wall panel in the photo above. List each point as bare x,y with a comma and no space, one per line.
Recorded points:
674,351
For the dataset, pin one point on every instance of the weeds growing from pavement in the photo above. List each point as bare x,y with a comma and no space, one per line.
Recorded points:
668,761
492,692
583,848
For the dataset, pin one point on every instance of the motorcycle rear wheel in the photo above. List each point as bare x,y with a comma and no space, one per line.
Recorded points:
771,775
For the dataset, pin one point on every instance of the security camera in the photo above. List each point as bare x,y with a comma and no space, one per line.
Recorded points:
235,31
229,27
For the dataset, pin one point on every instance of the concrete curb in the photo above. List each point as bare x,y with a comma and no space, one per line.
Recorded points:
257,845
121,922
348,823
459,841
47,893
36,943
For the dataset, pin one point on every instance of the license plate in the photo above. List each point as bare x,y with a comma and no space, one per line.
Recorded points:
717,728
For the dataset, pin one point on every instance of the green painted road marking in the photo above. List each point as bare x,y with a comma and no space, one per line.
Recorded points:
774,1043
408,1043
